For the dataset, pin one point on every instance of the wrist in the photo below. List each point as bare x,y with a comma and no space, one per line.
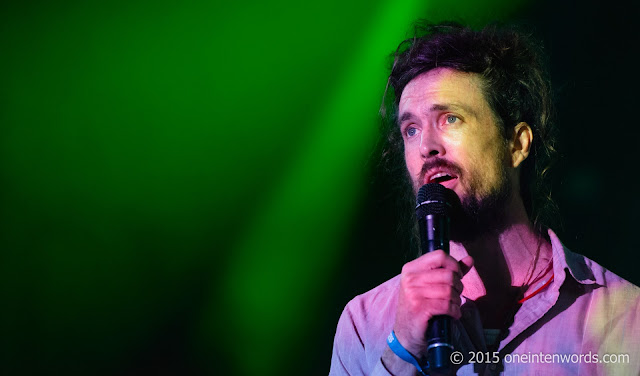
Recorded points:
402,353
414,346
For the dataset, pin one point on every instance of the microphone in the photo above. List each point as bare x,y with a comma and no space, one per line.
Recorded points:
433,205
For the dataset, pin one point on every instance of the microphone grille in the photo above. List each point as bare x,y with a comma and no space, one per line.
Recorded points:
433,198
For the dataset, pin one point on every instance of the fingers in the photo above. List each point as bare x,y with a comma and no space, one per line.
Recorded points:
433,260
444,307
428,308
434,277
442,292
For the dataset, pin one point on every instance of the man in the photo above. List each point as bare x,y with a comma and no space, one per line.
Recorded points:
472,112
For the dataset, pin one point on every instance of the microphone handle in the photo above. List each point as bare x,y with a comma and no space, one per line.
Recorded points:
434,234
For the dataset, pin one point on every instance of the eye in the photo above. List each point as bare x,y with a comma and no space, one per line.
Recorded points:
450,119
411,131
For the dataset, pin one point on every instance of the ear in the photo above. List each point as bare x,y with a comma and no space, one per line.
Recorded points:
521,143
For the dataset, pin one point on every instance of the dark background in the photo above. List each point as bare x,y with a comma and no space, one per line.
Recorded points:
589,47
193,189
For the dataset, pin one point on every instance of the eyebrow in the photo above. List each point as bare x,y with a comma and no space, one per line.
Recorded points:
438,107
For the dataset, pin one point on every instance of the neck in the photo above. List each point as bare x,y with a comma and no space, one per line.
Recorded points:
504,261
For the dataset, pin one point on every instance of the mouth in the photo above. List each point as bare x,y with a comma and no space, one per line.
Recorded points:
445,178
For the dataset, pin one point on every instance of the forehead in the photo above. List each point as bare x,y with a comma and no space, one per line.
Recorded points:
443,86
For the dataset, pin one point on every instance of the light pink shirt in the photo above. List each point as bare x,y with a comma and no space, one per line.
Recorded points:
586,312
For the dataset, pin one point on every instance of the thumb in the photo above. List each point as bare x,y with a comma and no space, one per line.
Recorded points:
465,265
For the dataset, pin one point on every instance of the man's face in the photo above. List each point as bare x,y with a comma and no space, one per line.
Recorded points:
452,137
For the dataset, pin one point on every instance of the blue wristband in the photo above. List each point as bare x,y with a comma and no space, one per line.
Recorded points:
401,352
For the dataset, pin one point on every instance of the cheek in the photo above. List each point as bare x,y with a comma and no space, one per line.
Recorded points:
413,161
489,165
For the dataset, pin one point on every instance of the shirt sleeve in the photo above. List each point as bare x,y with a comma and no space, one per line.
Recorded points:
349,357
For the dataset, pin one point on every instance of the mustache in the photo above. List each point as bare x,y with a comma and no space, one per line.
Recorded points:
439,163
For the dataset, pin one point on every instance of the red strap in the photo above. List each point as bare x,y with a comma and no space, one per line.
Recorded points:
535,292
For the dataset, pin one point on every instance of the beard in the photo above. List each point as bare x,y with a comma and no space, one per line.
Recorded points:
477,215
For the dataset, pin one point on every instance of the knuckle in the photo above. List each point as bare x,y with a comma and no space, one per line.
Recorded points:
406,279
414,305
452,276
449,277
410,281
439,255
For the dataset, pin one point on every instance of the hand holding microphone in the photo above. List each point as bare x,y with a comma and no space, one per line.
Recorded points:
430,286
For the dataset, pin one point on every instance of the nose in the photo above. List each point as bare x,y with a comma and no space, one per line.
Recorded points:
431,144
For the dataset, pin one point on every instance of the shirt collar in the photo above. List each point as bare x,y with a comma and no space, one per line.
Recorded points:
580,267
